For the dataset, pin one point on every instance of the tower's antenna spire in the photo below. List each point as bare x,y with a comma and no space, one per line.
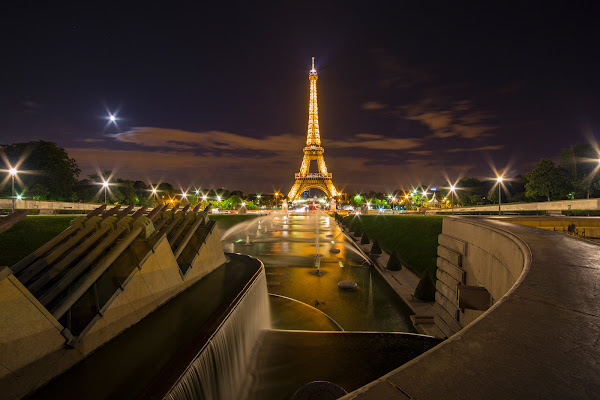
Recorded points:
313,65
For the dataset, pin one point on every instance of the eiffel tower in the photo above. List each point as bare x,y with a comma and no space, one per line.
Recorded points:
313,151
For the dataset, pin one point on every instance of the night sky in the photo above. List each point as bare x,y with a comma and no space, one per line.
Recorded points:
216,95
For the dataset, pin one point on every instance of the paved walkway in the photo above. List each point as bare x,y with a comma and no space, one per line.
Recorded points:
404,283
540,342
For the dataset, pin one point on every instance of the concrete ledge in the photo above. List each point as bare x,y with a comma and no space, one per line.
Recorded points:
539,340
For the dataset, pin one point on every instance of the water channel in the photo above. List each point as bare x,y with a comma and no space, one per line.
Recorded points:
293,246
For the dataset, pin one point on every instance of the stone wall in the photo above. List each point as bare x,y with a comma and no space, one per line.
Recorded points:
474,255
581,204
47,205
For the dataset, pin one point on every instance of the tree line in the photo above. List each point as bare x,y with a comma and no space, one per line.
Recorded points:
46,172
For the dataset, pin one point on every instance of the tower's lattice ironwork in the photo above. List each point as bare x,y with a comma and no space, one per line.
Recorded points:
313,150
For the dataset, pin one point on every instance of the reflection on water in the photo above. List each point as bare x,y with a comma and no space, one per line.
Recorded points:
288,248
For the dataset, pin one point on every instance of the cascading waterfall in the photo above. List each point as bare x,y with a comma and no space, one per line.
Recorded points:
220,371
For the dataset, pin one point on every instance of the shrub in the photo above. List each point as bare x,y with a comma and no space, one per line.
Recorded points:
425,290
365,239
394,262
376,248
357,232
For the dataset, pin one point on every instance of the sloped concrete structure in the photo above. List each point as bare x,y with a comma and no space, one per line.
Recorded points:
105,273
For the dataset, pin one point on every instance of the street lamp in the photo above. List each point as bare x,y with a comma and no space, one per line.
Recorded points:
276,195
183,196
499,179
13,173
452,189
105,184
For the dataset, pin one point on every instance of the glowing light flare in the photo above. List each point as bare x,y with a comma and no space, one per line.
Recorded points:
12,171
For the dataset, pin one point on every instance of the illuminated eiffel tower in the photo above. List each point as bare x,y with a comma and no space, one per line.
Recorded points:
313,151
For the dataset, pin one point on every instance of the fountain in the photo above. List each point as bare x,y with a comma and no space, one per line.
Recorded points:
318,272
220,370
248,243
248,226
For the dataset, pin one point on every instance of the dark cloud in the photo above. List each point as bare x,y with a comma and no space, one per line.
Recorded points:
373,105
446,119
482,148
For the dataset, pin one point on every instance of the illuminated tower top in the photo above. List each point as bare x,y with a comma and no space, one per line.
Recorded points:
305,179
313,138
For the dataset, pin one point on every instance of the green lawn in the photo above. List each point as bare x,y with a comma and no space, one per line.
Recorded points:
32,232
414,237
226,221
28,235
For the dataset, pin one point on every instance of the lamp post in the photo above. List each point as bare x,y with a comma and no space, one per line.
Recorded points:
276,198
13,173
499,195
154,195
452,188
105,184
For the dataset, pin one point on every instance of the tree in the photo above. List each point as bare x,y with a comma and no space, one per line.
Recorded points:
127,192
581,163
357,200
45,166
234,201
238,193
546,180
473,192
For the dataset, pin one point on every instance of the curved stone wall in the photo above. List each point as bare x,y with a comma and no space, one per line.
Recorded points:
539,339
474,255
